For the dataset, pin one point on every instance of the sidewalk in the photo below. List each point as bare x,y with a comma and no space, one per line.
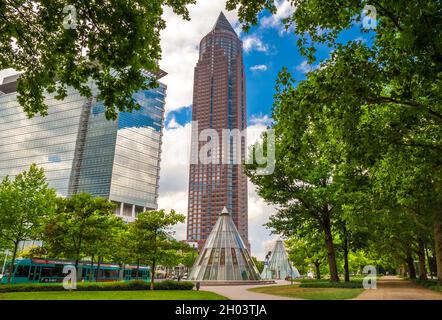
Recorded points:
241,292
394,288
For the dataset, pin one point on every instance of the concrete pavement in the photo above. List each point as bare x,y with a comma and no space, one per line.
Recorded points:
394,288
240,292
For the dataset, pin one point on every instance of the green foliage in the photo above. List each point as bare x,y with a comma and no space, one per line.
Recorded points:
25,202
259,264
100,286
368,122
82,226
121,39
150,239
328,284
306,251
294,291
114,295
430,284
188,255
174,285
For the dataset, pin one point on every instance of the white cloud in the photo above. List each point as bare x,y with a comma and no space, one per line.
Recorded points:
259,67
180,41
305,67
6,73
284,9
261,121
175,174
254,43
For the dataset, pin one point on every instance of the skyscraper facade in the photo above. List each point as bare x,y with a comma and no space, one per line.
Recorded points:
81,151
219,103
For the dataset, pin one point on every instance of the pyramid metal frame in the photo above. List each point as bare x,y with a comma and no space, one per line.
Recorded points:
277,265
224,256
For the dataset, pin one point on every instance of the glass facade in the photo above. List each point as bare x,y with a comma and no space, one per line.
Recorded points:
224,256
136,166
277,264
81,151
47,141
219,103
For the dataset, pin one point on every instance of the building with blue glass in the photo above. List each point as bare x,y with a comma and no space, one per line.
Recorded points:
81,151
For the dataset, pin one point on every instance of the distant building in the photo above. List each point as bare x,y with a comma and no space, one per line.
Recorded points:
219,102
81,151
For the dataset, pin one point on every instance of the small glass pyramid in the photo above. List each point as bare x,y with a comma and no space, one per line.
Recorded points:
224,256
277,264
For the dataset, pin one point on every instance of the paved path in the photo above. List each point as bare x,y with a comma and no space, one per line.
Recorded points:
394,288
241,292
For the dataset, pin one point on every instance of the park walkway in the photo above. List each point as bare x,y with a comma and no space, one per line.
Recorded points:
241,292
394,288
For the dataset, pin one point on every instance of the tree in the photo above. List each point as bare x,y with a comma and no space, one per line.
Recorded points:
60,43
81,226
189,256
151,241
306,249
304,183
258,263
24,203
106,237
385,98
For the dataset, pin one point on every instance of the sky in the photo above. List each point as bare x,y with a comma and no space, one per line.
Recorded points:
268,47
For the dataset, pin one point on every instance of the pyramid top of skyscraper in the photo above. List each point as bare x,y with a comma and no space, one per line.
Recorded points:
223,24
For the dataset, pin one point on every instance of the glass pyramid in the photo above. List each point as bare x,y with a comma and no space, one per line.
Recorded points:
277,264
224,256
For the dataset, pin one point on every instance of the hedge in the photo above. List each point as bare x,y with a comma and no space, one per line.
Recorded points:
100,286
328,284
430,284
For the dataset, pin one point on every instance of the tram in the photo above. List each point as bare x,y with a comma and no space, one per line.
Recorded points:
40,270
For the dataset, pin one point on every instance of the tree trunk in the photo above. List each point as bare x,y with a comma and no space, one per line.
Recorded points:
138,268
346,268
152,275
318,270
91,272
98,269
331,255
421,256
438,249
410,266
431,262
14,255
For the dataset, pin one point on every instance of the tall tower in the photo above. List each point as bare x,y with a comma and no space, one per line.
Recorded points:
219,103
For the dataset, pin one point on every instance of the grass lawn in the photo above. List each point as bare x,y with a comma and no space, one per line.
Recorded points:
294,291
114,295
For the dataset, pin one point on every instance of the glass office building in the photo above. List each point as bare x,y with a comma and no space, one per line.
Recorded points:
81,151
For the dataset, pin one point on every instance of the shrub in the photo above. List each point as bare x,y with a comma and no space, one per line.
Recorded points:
99,286
328,284
173,285
430,284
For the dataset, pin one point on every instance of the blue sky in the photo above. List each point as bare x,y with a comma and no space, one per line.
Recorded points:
267,49
262,65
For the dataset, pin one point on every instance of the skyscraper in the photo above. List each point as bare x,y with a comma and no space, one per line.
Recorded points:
219,103
81,151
